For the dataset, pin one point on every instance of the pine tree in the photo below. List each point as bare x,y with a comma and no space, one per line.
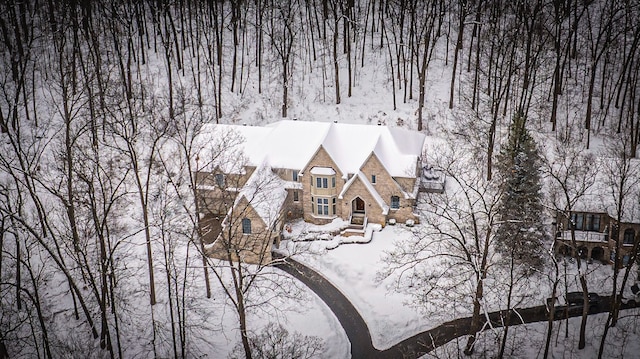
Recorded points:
520,233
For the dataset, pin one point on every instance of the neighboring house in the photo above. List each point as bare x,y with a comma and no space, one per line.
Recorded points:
596,236
594,217
316,171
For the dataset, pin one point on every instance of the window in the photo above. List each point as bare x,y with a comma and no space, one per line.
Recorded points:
323,182
395,202
373,179
592,222
313,208
246,226
295,196
220,180
323,206
595,223
627,238
334,205
295,175
578,220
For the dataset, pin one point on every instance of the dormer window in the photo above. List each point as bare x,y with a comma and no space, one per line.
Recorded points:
295,176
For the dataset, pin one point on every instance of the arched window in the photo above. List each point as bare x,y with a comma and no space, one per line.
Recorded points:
246,226
628,236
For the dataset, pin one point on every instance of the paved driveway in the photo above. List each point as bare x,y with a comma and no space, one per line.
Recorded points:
419,344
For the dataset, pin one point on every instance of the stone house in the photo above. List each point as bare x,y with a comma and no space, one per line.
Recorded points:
597,234
313,170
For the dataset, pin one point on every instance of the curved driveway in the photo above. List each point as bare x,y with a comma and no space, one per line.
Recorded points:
419,344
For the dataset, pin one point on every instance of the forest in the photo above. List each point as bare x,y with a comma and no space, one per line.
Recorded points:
101,103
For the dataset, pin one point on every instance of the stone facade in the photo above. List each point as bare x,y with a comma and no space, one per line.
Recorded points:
311,192
255,246
363,174
372,209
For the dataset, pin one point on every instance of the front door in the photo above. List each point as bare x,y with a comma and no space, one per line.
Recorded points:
357,205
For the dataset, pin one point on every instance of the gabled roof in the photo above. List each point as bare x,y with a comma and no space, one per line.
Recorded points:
292,144
363,178
265,192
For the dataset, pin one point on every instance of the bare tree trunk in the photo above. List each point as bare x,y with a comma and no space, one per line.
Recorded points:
456,52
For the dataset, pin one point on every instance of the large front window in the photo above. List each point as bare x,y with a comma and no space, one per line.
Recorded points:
323,206
586,221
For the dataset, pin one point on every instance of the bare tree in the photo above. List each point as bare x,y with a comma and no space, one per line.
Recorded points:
283,33
248,202
457,232
622,178
274,341
571,172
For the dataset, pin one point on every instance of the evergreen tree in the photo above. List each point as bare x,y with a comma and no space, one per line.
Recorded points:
520,233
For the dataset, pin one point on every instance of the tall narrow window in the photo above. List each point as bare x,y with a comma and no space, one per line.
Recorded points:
295,195
334,206
579,221
325,183
373,179
596,223
313,207
333,182
246,226
295,175
220,180
319,182
395,202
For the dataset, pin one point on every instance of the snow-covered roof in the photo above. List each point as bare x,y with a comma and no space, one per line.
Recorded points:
322,171
265,192
600,197
292,144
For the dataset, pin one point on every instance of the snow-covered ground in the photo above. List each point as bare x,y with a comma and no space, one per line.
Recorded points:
392,315
528,341
353,268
